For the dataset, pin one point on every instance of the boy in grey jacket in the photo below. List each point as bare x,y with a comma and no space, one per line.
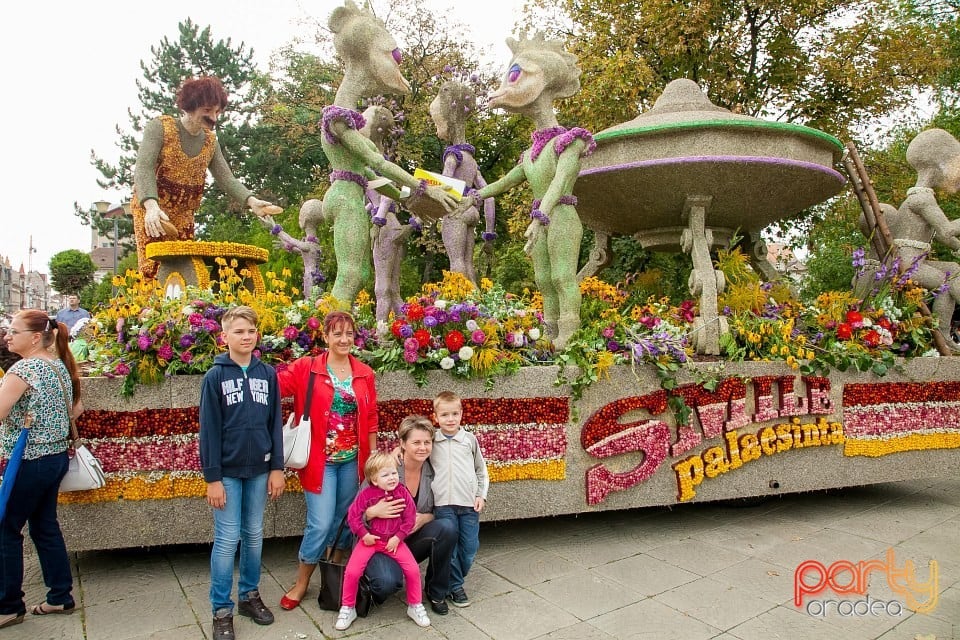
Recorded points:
459,487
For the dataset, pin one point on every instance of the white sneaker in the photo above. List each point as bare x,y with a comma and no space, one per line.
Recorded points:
418,614
346,617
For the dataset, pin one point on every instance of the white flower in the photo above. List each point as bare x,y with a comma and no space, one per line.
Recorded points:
534,333
518,339
440,304
447,363
293,317
472,325
867,322
465,353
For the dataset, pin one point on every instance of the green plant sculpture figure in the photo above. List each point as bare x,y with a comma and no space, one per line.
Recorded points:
539,73
372,66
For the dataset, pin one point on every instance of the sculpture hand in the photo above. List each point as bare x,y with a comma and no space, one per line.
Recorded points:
262,208
532,234
153,219
436,193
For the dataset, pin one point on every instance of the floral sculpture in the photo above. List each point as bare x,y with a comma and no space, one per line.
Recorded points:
372,61
539,73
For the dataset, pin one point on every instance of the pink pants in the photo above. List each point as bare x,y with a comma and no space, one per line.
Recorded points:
358,562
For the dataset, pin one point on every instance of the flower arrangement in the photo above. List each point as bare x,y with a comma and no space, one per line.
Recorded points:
454,326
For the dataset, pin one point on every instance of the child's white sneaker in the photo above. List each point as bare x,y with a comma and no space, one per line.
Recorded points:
346,617
418,614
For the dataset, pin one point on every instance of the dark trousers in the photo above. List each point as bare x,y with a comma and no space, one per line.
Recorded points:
434,541
34,501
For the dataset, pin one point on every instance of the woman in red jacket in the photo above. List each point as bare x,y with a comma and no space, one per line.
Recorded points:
343,417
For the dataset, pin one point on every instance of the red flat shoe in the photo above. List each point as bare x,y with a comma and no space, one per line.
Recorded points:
288,604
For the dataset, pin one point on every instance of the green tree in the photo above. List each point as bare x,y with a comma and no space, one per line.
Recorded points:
71,271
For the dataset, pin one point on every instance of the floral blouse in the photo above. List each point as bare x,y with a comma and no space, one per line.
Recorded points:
43,399
342,443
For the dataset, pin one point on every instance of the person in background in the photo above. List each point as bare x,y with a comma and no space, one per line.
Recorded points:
7,357
47,388
459,488
72,312
241,452
344,422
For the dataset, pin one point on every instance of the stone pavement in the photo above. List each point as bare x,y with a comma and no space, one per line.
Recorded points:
723,571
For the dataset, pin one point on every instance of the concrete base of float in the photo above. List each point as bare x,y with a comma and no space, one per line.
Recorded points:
615,448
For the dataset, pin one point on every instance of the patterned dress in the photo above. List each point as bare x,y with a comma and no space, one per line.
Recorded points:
44,400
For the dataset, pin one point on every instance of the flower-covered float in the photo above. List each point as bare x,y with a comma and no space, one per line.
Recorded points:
808,396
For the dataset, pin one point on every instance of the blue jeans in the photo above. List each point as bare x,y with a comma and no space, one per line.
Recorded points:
34,500
467,521
240,522
326,509
433,541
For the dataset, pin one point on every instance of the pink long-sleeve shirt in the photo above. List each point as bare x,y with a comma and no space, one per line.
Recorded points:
383,528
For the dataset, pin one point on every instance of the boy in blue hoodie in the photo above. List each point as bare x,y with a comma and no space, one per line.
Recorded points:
241,452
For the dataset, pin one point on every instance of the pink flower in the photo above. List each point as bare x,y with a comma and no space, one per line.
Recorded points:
122,369
410,356
165,352
608,332
291,332
478,336
196,319
313,323
186,357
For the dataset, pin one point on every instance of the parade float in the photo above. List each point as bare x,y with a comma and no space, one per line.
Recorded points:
740,391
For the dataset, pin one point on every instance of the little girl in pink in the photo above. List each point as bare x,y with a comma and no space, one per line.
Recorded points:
384,535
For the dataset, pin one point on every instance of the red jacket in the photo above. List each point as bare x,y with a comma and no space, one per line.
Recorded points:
293,382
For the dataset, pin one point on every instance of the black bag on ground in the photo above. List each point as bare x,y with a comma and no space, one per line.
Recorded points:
331,582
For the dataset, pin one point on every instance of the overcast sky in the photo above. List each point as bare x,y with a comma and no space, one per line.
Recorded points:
68,75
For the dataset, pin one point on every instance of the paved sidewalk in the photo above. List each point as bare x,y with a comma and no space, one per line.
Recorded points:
692,572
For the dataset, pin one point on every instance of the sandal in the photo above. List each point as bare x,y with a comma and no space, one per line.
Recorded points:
45,608
10,619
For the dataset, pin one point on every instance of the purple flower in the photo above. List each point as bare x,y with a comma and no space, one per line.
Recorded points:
442,316
429,322
406,331
144,341
276,229
165,352
613,345
454,316
187,340
211,326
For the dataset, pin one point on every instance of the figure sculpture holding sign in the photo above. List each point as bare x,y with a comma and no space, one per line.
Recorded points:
372,61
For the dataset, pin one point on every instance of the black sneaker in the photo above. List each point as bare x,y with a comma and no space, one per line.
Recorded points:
253,607
459,598
440,608
223,626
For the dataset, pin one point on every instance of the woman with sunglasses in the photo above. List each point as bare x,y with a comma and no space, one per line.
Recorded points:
45,385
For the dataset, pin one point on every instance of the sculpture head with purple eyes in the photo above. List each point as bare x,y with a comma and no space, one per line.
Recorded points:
539,69
370,54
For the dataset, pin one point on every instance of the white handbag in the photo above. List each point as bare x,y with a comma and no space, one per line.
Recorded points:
297,437
84,472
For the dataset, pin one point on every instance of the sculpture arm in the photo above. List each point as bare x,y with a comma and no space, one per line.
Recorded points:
925,205
223,177
514,177
450,165
145,173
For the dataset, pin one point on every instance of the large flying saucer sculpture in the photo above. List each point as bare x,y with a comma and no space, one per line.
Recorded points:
688,175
